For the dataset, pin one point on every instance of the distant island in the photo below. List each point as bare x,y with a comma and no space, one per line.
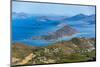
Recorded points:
65,30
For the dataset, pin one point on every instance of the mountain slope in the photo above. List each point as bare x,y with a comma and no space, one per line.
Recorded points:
74,50
76,17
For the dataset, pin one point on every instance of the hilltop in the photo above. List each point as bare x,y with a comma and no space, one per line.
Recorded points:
75,50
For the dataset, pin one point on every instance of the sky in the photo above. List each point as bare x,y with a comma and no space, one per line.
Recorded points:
52,9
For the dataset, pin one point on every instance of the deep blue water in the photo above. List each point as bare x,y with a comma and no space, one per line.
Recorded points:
25,28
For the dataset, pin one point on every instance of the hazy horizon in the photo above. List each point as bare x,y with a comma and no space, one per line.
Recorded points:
52,9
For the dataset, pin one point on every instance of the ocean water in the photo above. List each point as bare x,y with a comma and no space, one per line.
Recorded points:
23,29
